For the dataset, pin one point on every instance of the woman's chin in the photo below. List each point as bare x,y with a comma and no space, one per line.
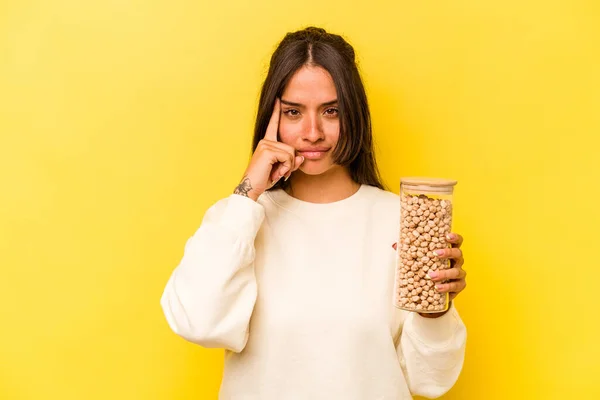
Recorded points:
314,168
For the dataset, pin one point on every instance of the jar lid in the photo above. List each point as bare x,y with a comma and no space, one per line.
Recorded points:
428,185
435,182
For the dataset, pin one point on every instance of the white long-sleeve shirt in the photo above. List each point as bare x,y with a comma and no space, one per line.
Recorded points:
300,297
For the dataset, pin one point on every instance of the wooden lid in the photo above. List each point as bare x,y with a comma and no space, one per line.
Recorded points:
425,181
425,185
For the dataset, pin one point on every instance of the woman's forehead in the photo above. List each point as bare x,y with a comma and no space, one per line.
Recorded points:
310,85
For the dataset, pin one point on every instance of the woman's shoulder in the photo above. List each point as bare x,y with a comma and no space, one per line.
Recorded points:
383,209
382,196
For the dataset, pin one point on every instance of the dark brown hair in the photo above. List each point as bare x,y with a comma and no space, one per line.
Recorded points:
316,47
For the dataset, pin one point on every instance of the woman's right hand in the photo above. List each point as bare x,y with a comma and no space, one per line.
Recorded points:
271,161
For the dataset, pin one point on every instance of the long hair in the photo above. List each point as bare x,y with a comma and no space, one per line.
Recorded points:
316,47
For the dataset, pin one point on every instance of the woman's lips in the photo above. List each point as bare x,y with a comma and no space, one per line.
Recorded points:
313,155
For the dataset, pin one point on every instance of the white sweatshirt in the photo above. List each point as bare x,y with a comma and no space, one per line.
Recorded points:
300,297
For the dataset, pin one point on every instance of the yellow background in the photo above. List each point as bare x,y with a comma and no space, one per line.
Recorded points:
122,121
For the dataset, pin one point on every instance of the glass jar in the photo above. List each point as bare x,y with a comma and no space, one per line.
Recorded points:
425,218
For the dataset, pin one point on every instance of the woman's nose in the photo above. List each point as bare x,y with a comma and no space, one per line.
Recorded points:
313,131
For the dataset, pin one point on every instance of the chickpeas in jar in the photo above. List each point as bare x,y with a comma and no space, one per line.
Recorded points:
426,206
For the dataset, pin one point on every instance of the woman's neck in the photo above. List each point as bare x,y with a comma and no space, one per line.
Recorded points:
333,185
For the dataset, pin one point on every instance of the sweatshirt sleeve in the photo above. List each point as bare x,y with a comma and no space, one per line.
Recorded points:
210,295
431,352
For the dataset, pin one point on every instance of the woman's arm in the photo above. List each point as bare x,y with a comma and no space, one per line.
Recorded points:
210,295
431,352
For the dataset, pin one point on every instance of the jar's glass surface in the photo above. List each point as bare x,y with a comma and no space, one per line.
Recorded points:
426,206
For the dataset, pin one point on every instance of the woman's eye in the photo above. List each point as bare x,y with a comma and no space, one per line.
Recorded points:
331,111
291,112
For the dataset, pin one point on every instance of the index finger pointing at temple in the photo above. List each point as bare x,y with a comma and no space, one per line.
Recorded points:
271,133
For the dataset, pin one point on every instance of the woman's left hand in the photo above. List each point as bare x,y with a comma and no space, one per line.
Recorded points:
455,275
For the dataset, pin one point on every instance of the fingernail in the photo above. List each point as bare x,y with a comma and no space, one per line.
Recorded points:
275,182
432,274
287,177
284,171
438,287
438,252
450,236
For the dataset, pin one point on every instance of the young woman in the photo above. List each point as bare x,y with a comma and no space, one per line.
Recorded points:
293,273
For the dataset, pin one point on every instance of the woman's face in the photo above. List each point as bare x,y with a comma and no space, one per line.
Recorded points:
309,121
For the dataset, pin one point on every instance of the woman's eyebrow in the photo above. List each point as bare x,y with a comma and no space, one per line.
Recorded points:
290,103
